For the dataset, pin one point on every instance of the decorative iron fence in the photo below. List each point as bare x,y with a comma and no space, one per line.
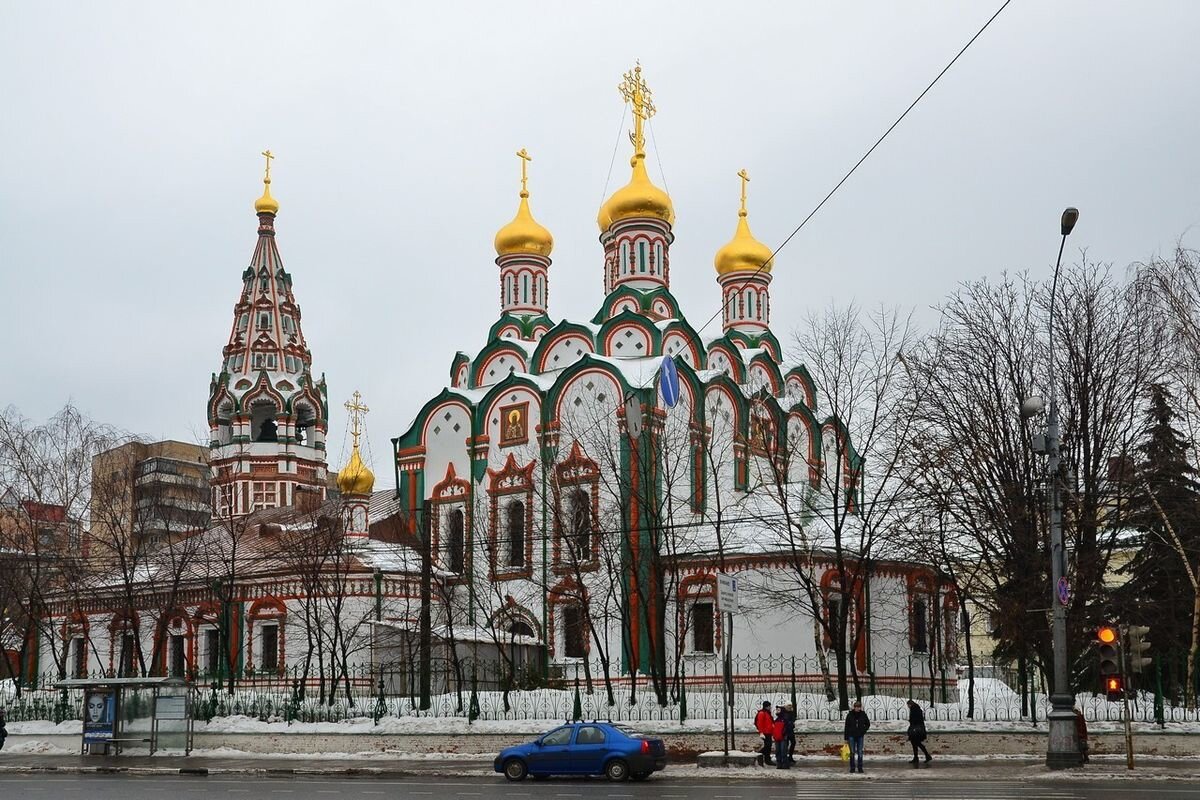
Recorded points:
493,690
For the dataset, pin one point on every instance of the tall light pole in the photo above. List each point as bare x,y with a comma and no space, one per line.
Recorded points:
1062,747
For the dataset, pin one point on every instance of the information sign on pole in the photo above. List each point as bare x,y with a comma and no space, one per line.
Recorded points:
668,382
727,597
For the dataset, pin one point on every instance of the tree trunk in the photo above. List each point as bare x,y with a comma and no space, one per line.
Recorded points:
1191,661
966,623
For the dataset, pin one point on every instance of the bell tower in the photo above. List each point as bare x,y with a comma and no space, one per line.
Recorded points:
267,417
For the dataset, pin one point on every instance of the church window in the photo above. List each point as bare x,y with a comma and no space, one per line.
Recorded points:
239,361
573,641
525,289
78,658
243,322
223,500
624,258
520,628
265,495
581,524
658,259
641,256
703,627
749,303
269,646
516,534
212,650
455,555
125,664
287,323
920,626
176,662
263,282
264,320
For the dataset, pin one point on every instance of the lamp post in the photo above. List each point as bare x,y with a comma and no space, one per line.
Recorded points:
1062,748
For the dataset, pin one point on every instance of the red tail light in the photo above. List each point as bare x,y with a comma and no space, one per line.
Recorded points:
645,746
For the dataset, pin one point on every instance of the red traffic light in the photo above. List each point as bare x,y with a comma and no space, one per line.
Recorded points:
1107,634
1113,687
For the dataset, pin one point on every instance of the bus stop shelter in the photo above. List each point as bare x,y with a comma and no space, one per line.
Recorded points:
104,723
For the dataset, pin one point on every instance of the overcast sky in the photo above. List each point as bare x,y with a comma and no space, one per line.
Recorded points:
129,161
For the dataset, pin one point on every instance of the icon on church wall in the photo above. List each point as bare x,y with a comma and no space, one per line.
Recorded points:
514,424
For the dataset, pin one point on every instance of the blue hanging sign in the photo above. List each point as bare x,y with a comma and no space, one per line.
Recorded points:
668,382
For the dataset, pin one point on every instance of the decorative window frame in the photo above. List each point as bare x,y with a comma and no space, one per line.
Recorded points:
920,586
831,584
510,482
577,471
450,493
123,623
566,593
266,611
694,589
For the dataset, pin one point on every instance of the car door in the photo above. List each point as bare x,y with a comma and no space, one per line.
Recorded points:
588,752
550,756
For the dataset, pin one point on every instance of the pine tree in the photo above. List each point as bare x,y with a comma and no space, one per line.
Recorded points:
1159,592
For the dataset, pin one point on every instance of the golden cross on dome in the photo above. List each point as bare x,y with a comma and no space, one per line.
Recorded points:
635,91
269,155
525,159
745,176
356,408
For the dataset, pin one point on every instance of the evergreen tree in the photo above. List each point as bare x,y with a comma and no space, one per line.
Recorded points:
1158,592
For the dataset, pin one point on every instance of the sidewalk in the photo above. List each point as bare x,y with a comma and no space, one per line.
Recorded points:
434,765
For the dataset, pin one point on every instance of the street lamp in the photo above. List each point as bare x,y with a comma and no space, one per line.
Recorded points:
1062,747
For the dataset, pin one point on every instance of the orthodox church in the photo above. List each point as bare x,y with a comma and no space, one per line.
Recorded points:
567,500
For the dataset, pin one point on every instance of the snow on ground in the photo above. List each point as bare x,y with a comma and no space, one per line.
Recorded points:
39,748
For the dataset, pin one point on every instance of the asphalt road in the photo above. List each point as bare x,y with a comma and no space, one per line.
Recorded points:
133,787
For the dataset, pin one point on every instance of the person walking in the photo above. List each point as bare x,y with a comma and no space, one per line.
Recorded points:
855,734
1081,734
779,735
3,731
916,733
790,710
764,723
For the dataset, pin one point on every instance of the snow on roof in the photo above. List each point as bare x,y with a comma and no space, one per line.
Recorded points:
460,633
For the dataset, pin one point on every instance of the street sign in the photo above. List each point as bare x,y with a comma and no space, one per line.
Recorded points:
668,382
1064,591
727,595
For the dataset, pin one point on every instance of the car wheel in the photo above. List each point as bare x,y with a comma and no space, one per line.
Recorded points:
515,769
616,770
639,776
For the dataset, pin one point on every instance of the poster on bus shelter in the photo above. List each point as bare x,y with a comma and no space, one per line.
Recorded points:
98,712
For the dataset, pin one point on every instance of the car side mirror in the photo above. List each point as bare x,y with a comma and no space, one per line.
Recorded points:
538,742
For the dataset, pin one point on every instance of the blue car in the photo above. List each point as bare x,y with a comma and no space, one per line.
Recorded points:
585,748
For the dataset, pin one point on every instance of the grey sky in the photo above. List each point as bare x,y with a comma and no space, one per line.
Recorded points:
130,133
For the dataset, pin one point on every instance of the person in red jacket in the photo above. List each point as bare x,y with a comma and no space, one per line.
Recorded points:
779,732
764,723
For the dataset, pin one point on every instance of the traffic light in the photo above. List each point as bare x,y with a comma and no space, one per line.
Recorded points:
1109,652
1136,646
1113,686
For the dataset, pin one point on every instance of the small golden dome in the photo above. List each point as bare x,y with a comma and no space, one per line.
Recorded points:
524,235
638,198
266,204
743,253
355,478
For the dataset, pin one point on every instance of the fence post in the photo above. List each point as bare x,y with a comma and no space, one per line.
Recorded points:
1158,694
682,694
794,704
910,694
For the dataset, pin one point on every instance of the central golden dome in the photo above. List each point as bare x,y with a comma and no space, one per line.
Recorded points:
638,198
743,253
355,477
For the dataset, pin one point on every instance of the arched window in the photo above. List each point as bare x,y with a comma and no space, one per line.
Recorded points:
516,534
520,628
581,524
642,256
749,303
920,625
455,551
525,289
658,260
262,421
624,258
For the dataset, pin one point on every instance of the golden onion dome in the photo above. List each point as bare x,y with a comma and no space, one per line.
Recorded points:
266,204
638,198
743,252
355,478
524,235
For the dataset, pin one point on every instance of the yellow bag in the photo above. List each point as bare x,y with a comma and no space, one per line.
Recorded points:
845,752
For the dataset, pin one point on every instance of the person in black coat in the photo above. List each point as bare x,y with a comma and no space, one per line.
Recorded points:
916,732
3,731
855,733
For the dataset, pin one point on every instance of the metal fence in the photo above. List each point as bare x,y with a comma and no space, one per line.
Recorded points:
493,690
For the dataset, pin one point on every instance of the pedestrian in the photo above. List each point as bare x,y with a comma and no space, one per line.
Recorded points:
764,723
790,710
855,733
779,736
916,733
3,731
1080,734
